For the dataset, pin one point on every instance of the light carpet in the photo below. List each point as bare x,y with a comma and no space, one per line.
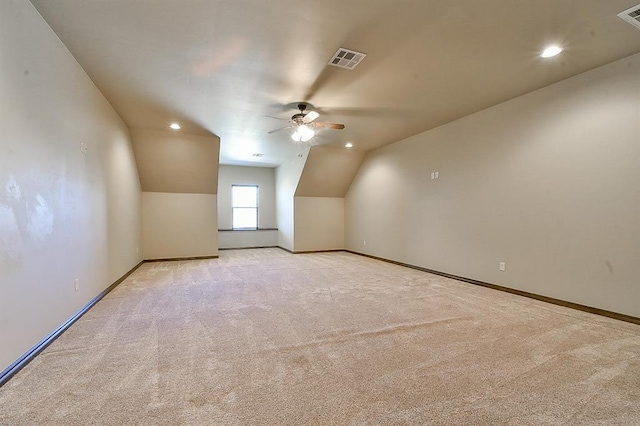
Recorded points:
264,337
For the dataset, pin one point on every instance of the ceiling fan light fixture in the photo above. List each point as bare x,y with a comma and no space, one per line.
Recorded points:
304,123
305,132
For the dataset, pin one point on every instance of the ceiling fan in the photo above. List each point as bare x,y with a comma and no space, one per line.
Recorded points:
304,123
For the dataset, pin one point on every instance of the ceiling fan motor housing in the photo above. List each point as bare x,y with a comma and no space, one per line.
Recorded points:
299,116
305,122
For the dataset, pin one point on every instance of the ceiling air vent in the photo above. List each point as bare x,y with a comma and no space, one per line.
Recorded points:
632,16
345,58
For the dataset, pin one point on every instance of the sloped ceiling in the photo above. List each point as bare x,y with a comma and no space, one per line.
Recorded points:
219,66
170,161
328,172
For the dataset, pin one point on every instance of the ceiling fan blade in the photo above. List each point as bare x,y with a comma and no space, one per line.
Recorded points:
277,118
329,125
310,117
281,128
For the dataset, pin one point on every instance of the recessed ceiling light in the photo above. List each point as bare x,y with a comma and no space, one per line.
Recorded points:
551,51
348,145
175,126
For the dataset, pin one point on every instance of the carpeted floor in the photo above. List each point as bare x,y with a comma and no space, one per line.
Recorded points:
266,337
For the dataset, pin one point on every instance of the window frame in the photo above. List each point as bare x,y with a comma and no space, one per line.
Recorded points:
233,207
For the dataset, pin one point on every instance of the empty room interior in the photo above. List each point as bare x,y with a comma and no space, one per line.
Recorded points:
333,212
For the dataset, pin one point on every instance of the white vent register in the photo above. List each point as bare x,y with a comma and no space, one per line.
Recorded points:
631,15
345,58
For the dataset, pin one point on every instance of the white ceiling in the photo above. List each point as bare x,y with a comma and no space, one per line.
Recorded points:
220,66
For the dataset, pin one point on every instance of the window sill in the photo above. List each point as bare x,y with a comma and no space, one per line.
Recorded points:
249,229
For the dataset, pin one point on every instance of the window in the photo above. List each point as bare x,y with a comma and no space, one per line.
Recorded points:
244,205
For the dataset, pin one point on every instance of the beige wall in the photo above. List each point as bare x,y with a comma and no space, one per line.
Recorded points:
179,225
319,202
239,175
265,178
287,178
179,177
247,239
319,223
64,214
548,183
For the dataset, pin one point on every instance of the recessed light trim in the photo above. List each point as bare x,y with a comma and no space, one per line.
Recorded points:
551,51
348,145
175,126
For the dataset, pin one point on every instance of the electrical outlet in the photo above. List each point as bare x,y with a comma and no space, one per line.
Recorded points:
503,266
137,249
433,175
437,174
364,242
75,284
